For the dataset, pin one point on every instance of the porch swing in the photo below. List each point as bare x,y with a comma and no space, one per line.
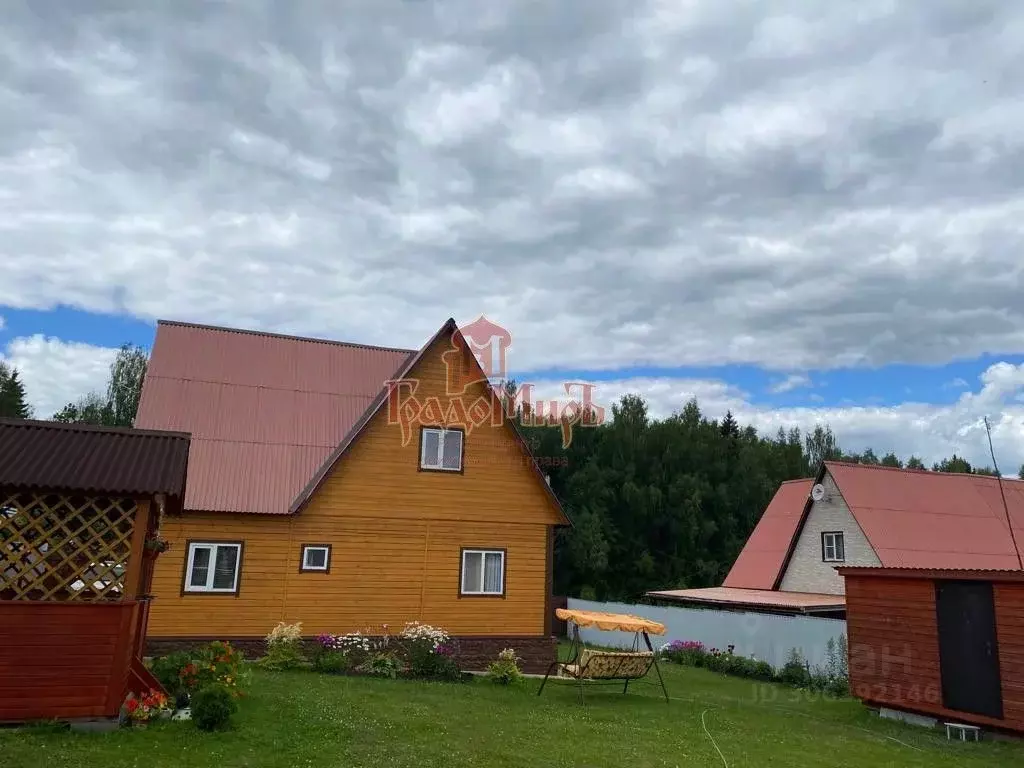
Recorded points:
587,666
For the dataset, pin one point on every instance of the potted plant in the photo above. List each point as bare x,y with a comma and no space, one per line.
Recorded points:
156,544
140,710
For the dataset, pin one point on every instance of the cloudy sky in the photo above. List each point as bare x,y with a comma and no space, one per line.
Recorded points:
800,211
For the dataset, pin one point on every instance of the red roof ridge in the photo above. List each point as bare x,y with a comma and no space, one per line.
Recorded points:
286,336
787,482
923,471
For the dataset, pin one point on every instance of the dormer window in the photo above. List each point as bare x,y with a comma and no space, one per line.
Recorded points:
441,449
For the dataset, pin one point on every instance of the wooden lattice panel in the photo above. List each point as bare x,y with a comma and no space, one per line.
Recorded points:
55,547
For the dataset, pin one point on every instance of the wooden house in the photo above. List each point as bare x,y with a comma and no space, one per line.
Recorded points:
347,487
858,515
939,642
80,511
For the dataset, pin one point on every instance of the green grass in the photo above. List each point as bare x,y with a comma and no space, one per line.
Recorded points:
304,719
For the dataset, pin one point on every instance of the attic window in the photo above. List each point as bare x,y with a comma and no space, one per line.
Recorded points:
441,449
833,550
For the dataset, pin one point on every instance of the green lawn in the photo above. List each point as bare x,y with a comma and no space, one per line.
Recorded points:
303,719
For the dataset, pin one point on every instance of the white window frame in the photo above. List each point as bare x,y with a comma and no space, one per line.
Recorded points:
213,546
483,573
441,432
829,541
307,548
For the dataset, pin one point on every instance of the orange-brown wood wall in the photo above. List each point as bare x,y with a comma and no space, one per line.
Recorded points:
894,647
64,660
396,535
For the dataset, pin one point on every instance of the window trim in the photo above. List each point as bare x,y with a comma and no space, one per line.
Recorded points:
504,571
186,589
462,453
834,558
303,568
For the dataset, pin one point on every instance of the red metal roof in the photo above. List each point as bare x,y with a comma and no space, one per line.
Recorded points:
264,410
47,455
758,564
920,519
912,519
803,602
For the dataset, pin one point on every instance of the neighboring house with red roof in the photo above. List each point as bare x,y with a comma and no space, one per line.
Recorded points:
305,501
865,516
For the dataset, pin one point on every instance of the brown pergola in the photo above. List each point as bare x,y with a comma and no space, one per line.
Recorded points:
80,512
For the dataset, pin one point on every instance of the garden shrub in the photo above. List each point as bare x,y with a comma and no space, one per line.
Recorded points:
428,652
355,646
331,662
794,671
688,652
284,648
218,662
212,707
169,671
382,664
505,669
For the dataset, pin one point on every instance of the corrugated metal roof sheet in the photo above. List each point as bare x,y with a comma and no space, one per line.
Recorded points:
265,410
913,519
766,598
919,519
760,560
76,457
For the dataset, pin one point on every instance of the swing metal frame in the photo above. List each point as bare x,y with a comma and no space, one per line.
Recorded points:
624,671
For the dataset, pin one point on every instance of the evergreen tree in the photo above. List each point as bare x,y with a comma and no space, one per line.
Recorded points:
729,426
953,464
915,463
891,460
13,403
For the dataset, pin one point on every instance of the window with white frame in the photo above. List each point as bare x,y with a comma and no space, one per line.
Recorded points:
483,572
441,449
316,557
213,566
832,547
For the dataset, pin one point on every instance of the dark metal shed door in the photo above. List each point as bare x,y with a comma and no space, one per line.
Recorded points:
968,650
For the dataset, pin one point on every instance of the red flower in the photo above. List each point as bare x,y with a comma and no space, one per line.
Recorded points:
132,705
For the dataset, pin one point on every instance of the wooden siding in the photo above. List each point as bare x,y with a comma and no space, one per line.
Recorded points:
396,534
894,647
64,660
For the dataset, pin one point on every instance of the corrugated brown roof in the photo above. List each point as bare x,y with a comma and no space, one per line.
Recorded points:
760,598
265,410
760,560
76,457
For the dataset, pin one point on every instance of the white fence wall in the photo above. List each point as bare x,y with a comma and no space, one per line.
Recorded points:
765,636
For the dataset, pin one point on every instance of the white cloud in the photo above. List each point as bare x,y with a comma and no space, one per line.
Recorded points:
56,372
747,182
791,382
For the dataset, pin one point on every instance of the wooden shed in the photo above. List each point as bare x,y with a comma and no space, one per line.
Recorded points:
943,643
80,510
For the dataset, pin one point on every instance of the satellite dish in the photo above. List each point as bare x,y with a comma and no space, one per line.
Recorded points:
818,492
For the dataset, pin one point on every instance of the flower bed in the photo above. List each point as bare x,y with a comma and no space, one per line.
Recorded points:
831,678
419,651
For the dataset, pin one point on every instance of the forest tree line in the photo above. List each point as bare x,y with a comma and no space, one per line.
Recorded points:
669,503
